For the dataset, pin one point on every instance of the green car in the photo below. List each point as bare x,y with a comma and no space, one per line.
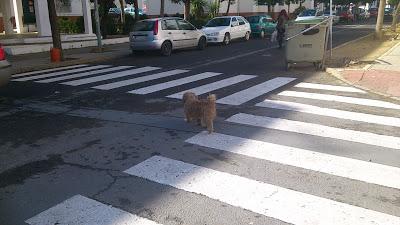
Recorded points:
261,25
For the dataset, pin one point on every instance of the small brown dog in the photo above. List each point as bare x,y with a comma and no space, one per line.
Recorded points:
201,110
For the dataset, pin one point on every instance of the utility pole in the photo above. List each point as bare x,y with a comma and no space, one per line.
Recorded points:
97,21
55,32
330,28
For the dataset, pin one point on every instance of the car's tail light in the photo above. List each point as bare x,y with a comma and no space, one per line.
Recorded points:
2,53
155,29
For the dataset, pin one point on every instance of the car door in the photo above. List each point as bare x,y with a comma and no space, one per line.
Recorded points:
171,32
188,32
242,29
234,28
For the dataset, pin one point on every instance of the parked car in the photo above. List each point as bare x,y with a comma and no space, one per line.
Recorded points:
261,25
114,11
336,18
388,16
226,28
346,16
5,68
165,34
310,14
373,12
131,11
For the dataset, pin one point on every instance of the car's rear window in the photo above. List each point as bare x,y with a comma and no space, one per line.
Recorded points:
147,25
253,19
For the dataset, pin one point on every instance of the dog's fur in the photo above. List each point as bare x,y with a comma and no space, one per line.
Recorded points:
201,110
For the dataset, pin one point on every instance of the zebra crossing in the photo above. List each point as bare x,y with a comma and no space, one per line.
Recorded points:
276,201
107,77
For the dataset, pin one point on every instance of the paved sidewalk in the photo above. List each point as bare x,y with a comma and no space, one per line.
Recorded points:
40,61
382,77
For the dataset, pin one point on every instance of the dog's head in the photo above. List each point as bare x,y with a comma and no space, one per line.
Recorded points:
212,98
189,96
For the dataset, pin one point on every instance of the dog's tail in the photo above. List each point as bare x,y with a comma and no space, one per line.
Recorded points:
212,98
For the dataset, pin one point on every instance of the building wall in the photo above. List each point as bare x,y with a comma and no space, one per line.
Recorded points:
152,7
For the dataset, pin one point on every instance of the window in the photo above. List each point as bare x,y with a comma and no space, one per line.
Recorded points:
146,25
170,25
235,22
218,22
241,21
183,25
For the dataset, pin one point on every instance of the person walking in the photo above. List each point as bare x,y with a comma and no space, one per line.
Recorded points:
280,26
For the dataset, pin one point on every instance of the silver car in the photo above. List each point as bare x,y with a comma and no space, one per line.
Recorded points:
166,34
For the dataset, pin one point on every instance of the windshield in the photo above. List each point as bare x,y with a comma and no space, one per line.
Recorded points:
144,26
253,19
309,12
219,22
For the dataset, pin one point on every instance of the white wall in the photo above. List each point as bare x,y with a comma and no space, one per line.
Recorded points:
248,6
152,7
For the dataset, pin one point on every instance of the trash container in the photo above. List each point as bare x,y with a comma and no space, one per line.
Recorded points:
306,45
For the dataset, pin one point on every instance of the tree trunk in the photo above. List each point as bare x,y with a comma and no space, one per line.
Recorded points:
228,8
301,3
55,32
288,9
395,17
136,5
121,2
218,7
379,21
269,8
162,6
187,10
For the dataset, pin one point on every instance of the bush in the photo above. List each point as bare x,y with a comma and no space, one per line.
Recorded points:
80,24
67,26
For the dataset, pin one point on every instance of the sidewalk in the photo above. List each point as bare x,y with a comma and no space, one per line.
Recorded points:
380,76
40,61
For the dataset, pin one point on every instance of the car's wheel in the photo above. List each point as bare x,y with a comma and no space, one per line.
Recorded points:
262,34
247,36
227,39
202,43
166,48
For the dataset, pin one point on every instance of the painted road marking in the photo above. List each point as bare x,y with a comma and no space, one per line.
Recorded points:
137,80
263,198
73,76
166,85
214,86
110,76
304,108
316,130
61,73
335,165
48,70
246,95
81,210
344,99
329,87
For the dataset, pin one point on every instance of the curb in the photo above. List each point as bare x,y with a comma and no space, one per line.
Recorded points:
62,64
336,73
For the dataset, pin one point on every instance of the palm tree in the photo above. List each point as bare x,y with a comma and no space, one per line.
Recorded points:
228,7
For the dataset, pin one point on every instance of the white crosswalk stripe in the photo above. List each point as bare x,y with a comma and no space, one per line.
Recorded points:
170,84
263,198
316,130
89,73
362,117
344,99
80,210
110,76
137,80
246,95
339,166
213,86
328,87
59,73
48,70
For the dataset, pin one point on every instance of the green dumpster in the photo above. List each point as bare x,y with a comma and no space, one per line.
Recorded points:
306,42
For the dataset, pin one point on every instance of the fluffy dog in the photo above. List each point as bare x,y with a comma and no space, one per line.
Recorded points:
203,111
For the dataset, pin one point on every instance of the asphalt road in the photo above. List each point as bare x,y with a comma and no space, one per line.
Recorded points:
310,154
